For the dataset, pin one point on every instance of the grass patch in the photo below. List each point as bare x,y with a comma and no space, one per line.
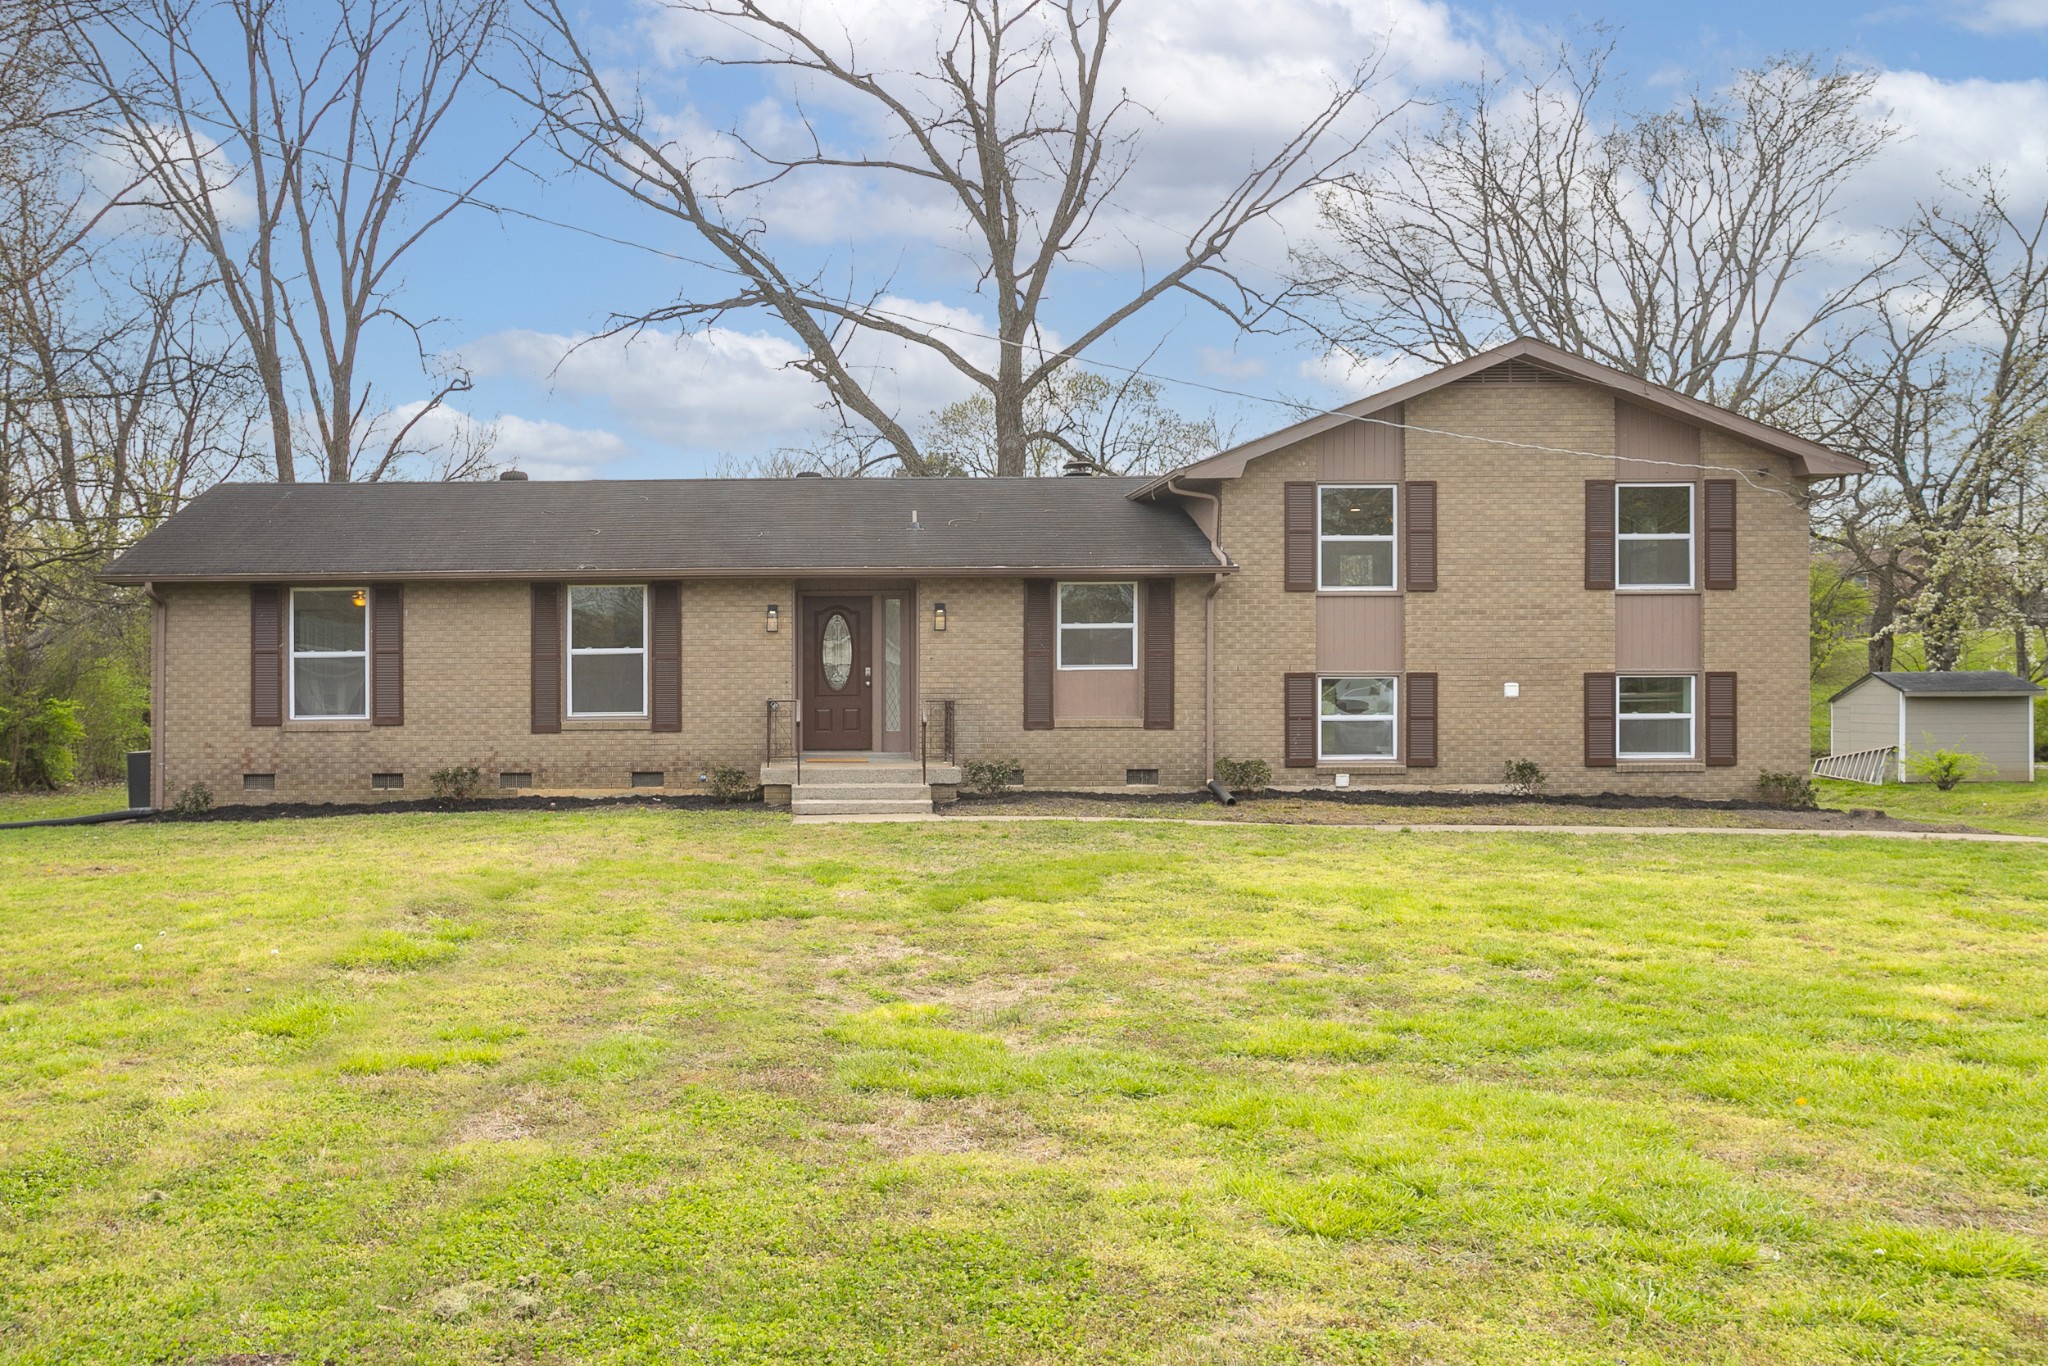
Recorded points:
633,1086
84,800
2010,808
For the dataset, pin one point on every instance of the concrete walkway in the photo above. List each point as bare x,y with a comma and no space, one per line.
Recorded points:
1396,828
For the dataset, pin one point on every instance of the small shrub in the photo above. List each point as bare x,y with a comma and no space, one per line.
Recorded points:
195,800
730,784
1244,775
457,784
1945,768
1793,790
986,777
1523,777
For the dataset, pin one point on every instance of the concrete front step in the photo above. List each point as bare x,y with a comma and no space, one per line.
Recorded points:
870,791
782,773
804,805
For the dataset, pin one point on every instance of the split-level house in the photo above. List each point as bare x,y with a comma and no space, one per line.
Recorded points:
1524,555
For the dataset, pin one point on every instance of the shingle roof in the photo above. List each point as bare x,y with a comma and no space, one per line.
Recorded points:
1957,683
683,527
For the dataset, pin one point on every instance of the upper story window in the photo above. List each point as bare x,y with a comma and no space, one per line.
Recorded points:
1653,535
1355,536
330,673
1098,626
1654,717
1356,718
608,650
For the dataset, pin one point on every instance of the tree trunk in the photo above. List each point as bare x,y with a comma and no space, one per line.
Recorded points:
1884,611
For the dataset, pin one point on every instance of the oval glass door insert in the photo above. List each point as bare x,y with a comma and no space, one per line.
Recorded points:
836,651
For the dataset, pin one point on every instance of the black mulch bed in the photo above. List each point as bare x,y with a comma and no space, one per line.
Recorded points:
303,810
1418,798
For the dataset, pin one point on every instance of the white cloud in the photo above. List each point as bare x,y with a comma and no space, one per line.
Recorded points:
1951,128
2001,16
1230,364
1356,377
542,448
720,388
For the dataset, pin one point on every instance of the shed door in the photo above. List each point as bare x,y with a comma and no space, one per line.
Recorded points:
838,673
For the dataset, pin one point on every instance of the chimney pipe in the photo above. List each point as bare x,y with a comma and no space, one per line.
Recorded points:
511,476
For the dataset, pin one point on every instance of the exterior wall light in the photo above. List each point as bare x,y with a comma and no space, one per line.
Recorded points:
358,599
774,618
938,616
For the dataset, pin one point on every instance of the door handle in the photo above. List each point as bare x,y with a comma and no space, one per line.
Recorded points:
867,675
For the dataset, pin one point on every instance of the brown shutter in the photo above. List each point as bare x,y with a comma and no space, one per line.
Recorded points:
1599,533
1720,720
1599,720
1419,500
266,655
665,651
1420,691
1159,654
1299,523
1038,630
1301,720
1720,521
387,654
547,659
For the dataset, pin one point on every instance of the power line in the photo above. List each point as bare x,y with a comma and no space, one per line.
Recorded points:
1305,409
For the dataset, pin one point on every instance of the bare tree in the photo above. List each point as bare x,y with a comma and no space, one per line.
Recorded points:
1947,397
1013,129
285,140
1696,246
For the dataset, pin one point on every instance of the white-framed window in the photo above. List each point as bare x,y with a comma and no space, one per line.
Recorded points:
1653,535
1653,716
608,649
1356,718
1098,626
330,647
1355,545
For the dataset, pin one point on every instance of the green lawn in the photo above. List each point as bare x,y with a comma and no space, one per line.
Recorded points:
72,801
2014,808
638,1086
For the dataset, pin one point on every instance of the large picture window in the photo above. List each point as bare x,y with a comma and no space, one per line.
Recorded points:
1653,535
1098,626
608,650
330,637
1356,719
1654,717
1355,536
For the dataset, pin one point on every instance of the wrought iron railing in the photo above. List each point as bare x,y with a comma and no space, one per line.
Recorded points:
938,731
785,739
1858,765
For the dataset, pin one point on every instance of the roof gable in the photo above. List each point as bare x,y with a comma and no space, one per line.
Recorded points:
1526,360
1952,683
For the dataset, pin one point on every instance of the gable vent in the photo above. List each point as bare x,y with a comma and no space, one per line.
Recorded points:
1515,372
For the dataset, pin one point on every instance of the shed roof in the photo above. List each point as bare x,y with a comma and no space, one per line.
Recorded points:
1955,683
668,527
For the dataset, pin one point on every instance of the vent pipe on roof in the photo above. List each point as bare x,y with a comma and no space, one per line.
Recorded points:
1079,467
810,474
512,476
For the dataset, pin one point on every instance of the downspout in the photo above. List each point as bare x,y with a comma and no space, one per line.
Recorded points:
159,633
1208,634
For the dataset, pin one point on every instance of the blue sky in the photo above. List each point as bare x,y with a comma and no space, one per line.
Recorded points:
511,296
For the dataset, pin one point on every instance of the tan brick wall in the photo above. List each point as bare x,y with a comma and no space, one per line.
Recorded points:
467,699
1512,606
978,661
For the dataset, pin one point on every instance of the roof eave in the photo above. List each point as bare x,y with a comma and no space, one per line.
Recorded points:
138,580
1814,460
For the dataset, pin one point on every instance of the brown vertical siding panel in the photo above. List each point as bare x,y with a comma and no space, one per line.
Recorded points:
1419,501
1363,452
1658,633
1720,539
1420,692
387,654
1038,654
1359,633
1600,533
547,659
1651,448
1300,713
1599,720
266,655
1720,720
1159,654
665,664
1299,521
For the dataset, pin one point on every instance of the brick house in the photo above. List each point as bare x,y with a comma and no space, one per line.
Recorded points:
1521,555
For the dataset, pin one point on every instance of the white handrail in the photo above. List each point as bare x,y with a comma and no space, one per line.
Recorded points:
1857,765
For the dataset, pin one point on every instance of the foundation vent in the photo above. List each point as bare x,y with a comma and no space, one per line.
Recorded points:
649,778
386,782
509,780
1141,777
259,782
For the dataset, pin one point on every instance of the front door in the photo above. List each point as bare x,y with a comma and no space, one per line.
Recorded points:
838,673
